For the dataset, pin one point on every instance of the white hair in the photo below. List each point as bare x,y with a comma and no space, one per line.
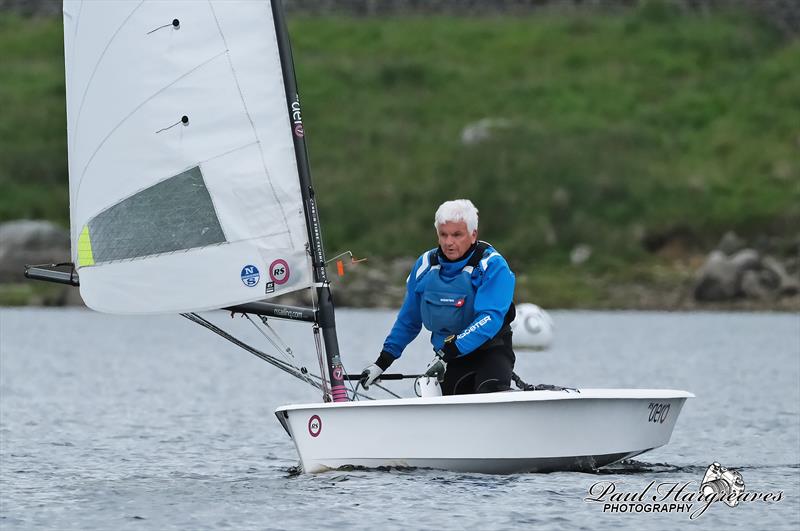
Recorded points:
457,210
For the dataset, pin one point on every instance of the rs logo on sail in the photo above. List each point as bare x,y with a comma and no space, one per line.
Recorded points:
279,271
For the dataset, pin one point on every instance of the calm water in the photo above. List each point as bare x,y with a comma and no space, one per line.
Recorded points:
146,423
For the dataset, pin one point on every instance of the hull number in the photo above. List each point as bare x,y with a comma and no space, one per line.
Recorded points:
658,412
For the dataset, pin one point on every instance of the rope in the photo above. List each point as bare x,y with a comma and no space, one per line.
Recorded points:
318,344
539,387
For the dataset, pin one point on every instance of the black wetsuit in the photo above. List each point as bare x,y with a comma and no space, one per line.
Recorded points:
485,370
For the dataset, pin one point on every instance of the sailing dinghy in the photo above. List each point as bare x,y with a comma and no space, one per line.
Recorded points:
190,190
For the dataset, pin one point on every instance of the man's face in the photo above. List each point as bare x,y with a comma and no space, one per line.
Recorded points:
454,239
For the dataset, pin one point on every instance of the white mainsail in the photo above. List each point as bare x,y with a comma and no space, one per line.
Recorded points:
184,188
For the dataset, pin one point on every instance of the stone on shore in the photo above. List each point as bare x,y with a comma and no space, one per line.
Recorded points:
28,242
742,273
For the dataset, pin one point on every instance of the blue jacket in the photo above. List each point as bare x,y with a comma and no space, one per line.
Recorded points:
493,283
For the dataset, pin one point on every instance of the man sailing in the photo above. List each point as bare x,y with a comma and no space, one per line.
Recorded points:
462,292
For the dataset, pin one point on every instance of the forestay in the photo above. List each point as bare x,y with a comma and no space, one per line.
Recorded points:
184,189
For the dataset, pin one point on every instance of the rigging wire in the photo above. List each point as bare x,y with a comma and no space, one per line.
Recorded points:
286,367
379,386
350,383
274,343
286,348
327,395
318,344
322,371
271,340
358,384
300,373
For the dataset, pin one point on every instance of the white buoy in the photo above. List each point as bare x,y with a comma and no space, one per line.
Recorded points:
533,327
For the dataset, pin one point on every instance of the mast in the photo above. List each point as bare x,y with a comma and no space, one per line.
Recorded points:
326,318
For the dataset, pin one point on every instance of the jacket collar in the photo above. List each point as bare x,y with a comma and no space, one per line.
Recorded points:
444,260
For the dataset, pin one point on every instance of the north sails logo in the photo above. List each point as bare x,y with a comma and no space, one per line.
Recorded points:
474,327
250,275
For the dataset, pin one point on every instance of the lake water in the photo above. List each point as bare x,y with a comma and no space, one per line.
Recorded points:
150,423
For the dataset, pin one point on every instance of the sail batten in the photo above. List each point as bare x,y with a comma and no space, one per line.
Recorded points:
184,186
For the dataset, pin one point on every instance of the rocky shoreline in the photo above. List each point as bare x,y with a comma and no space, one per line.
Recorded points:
732,276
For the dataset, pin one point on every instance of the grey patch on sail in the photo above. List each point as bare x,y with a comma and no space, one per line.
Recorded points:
173,215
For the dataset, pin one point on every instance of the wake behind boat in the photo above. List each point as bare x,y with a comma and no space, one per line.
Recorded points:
190,190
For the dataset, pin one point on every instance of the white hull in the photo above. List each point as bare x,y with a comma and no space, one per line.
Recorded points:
501,433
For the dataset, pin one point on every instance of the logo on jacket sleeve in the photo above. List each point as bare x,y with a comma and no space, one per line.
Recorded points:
474,327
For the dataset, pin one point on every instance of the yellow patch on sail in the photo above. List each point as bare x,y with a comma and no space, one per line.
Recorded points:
85,256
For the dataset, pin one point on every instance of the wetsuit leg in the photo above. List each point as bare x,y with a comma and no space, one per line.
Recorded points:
459,378
495,368
484,371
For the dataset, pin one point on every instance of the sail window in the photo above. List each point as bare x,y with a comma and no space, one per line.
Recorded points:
173,215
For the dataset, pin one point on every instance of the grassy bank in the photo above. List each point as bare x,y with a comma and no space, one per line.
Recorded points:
33,137
644,134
